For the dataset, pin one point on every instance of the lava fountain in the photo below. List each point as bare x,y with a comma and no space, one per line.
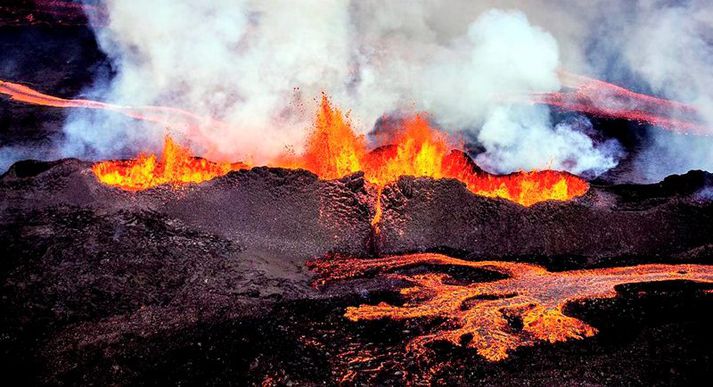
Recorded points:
175,166
333,150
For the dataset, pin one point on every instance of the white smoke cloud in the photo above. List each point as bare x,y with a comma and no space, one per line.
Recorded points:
670,46
259,66
524,138
233,61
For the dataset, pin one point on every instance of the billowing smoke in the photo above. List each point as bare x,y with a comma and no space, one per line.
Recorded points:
670,47
259,66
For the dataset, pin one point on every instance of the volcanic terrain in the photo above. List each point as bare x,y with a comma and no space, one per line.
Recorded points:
402,263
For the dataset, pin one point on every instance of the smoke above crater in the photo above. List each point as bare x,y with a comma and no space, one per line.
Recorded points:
260,66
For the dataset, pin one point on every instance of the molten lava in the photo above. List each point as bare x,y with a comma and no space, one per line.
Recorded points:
332,150
175,166
480,315
415,148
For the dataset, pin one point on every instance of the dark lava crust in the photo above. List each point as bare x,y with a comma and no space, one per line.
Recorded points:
208,284
671,221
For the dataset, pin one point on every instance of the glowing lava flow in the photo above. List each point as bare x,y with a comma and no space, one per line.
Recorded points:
332,150
417,149
599,98
480,315
176,166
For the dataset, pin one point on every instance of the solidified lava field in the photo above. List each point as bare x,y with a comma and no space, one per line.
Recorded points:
126,272
209,283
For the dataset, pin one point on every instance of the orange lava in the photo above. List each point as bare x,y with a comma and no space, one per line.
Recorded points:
417,149
176,166
332,150
480,315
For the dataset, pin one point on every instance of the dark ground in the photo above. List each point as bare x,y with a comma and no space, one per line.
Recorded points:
207,284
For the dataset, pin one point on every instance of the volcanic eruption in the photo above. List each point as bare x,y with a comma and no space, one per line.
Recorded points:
193,196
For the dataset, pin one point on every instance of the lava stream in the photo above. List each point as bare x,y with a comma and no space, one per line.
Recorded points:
480,314
599,98
162,115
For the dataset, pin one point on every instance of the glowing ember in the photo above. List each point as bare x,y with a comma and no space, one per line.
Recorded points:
176,166
480,315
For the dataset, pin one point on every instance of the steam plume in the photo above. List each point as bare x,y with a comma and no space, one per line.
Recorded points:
259,66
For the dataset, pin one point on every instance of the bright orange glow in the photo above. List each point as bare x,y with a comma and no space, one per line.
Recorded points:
480,315
417,149
332,150
176,166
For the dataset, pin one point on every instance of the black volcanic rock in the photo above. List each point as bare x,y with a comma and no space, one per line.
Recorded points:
84,264
263,207
623,224
207,283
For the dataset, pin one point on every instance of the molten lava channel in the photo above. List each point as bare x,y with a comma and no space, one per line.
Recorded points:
333,150
481,314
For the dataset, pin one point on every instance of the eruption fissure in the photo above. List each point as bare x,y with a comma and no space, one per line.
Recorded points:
482,311
332,150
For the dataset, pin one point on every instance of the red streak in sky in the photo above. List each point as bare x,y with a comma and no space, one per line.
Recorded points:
165,116
602,99
581,94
